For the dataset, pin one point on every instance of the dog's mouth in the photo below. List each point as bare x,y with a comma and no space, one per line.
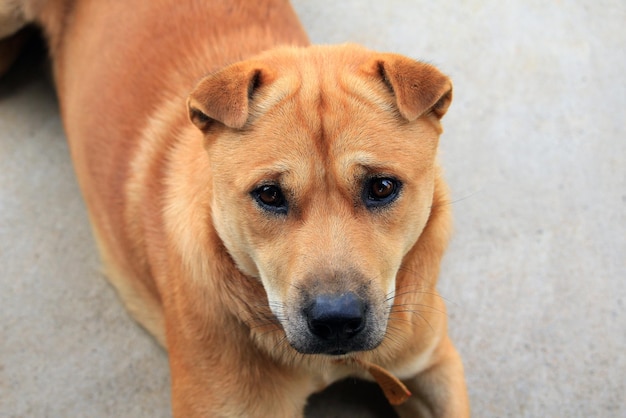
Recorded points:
337,324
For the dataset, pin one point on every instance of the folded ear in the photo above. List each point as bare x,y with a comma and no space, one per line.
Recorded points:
225,96
419,88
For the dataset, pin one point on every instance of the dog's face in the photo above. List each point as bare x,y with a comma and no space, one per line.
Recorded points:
323,163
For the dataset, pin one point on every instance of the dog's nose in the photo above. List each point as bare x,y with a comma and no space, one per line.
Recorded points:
336,317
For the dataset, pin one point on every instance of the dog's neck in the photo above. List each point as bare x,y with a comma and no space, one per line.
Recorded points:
395,391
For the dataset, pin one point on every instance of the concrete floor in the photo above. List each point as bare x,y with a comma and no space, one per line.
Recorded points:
535,153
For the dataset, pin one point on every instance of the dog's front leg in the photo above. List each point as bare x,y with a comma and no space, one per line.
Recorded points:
222,376
439,391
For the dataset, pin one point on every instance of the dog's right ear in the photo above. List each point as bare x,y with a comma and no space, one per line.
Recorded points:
225,96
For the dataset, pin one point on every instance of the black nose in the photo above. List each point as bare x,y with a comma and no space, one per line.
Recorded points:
336,317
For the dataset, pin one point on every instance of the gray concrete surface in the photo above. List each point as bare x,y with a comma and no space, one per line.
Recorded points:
535,153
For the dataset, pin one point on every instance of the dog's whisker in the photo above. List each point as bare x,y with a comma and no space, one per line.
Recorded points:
408,307
418,314
395,335
406,291
452,202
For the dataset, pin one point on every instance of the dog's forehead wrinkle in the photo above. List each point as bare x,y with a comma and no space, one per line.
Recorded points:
336,89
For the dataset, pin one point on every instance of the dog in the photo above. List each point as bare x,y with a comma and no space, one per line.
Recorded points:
272,212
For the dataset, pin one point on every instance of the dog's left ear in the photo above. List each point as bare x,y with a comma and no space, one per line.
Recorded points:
419,88
225,96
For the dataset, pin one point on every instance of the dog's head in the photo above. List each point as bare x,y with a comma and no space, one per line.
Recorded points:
323,163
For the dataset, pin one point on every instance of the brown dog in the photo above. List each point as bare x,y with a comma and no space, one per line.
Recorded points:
277,227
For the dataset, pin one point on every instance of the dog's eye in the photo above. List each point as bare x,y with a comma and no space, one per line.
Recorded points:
381,191
270,198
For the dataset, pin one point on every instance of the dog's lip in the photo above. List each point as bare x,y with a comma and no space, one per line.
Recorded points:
334,352
338,352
